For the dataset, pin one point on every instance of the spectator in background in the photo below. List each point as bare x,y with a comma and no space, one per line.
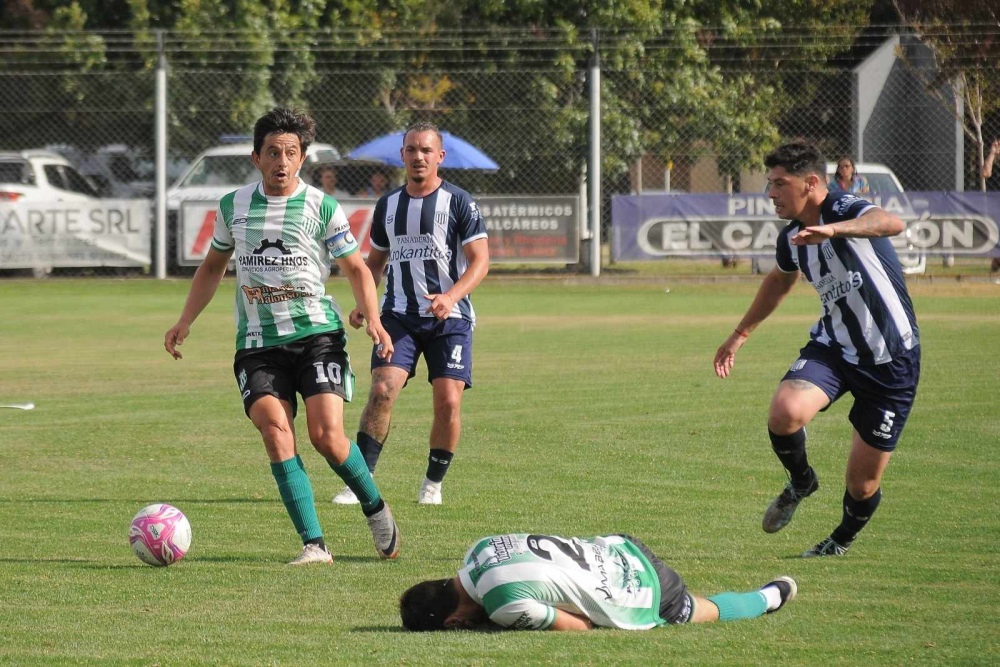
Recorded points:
847,179
992,184
326,177
378,185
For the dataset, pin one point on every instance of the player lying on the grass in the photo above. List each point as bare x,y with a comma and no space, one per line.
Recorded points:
544,582
865,343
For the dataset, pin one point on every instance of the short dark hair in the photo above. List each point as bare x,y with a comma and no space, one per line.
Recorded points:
797,159
284,121
424,126
425,606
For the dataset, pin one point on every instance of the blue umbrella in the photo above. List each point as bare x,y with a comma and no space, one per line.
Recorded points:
459,154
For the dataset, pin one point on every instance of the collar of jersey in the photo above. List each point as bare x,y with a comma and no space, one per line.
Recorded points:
298,190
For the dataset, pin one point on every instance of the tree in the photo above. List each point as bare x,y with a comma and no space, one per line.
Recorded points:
965,39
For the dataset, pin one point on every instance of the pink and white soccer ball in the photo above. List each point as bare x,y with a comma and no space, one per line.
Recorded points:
160,534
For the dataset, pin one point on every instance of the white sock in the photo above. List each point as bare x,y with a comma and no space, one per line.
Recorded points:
773,597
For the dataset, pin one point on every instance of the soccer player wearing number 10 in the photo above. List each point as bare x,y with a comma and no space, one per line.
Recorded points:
866,341
290,336
544,582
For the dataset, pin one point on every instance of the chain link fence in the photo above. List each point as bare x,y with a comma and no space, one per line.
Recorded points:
673,119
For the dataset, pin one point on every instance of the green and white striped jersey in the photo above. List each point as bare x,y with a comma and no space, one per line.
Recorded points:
520,580
283,249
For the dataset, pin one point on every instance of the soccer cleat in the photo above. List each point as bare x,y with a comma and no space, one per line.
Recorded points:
786,587
385,532
430,493
346,497
779,512
826,548
313,553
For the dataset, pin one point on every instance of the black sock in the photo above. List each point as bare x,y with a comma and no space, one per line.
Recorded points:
374,510
791,451
857,514
370,448
318,541
437,464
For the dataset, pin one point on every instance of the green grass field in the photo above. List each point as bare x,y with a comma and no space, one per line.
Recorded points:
595,410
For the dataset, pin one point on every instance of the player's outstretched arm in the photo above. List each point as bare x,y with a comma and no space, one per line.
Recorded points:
203,286
775,286
363,287
875,223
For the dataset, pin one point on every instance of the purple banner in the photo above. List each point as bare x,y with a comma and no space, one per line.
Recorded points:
653,226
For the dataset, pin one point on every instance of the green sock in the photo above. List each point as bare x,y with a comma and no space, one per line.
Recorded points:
736,606
297,495
354,472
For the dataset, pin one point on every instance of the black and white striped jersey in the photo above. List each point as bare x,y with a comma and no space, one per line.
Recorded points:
424,237
867,312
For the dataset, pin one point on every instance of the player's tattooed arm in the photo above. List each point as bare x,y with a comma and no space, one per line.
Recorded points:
874,223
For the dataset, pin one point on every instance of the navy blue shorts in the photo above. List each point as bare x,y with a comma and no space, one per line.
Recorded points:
883,394
445,344
316,364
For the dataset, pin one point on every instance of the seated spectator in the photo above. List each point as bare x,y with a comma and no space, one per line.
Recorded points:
378,185
326,176
847,179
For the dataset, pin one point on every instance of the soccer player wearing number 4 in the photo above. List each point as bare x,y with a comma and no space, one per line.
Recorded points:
290,336
866,341
544,582
432,236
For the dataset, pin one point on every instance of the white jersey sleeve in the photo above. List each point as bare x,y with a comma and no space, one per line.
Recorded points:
524,615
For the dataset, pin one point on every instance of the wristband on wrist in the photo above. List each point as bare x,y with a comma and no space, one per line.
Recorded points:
741,334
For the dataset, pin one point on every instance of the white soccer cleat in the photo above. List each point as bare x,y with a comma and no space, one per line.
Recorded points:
430,493
346,497
312,553
385,533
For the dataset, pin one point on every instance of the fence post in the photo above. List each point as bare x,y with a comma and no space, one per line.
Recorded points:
160,112
594,168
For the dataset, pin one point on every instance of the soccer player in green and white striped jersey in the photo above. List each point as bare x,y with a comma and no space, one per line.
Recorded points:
543,582
290,336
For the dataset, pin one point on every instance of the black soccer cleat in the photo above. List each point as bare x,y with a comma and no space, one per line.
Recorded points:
779,512
827,547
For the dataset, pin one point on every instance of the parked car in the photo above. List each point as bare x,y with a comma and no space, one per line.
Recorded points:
42,175
120,172
222,169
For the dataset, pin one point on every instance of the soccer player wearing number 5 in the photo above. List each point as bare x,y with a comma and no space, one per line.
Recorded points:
866,341
432,236
544,582
289,334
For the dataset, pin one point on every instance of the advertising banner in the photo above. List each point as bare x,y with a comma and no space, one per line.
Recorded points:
521,228
108,232
652,226
532,228
197,222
